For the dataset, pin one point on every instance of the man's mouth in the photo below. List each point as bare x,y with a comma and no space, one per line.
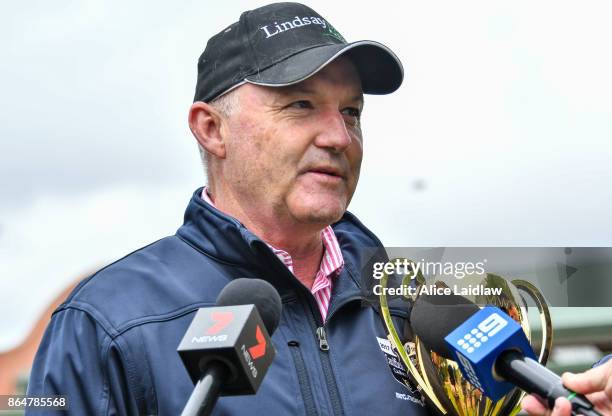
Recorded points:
327,171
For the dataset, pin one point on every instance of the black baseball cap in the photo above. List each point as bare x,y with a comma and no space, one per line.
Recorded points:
284,43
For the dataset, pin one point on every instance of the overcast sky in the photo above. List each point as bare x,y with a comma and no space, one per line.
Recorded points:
500,135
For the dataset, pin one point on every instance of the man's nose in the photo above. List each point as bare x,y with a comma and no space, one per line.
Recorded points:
333,132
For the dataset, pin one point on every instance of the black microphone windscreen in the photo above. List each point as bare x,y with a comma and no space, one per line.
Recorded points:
433,317
256,292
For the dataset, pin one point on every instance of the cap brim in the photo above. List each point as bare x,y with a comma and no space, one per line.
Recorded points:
380,70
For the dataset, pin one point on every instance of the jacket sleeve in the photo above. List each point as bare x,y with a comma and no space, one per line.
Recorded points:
79,360
603,360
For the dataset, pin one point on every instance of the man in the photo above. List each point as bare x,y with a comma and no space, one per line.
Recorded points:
277,119
276,115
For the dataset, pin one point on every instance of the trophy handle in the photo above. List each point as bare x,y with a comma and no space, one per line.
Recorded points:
545,320
395,339
510,404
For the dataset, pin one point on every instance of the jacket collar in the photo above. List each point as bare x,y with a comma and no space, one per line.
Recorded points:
225,239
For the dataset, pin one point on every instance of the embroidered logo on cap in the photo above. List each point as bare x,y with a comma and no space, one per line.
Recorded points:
276,28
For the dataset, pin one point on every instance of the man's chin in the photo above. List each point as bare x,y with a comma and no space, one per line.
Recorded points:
321,215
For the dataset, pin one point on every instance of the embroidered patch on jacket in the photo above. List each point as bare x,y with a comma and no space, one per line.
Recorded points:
398,369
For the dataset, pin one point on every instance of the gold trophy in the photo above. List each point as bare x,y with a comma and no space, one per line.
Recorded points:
439,379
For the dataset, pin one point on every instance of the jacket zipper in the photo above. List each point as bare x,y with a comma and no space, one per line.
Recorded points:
328,374
302,374
322,337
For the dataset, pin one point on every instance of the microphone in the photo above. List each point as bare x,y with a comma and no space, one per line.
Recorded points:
227,348
491,349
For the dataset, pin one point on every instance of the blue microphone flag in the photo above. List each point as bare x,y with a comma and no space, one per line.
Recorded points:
477,343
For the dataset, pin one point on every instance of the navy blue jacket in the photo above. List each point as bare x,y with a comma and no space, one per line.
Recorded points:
111,346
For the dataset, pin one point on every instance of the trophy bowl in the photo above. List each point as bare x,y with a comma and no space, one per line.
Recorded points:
440,380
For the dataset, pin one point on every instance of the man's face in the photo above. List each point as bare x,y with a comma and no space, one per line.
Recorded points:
295,152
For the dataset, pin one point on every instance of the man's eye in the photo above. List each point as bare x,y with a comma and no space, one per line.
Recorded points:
353,112
301,104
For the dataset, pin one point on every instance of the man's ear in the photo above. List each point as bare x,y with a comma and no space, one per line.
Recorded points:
207,126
